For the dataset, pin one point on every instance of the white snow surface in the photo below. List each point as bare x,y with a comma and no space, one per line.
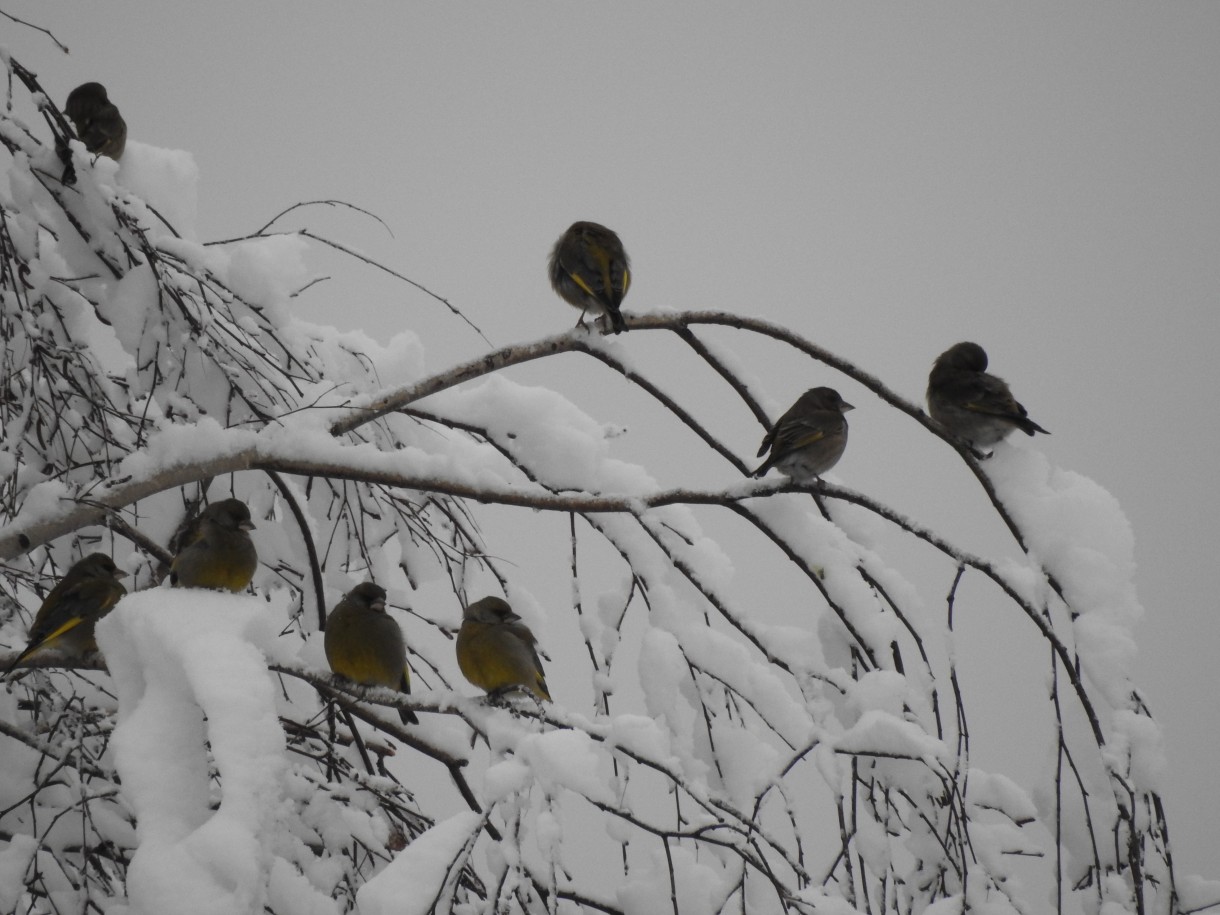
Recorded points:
195,694
421,877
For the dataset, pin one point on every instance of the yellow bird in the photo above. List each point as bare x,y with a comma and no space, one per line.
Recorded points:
364,644
67,616
217,551
98,122
590,271
496,650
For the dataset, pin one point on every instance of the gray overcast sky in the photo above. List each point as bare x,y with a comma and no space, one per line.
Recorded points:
886,179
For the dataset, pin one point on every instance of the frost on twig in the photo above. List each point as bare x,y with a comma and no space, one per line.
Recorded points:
712,749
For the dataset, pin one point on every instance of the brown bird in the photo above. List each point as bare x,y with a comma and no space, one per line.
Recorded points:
809,439
67,616
364,644
497,652
590,271
217,551
98,122
972,404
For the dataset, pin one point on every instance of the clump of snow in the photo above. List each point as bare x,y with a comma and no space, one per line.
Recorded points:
697,882
504,778
263,271
194,692
1196,893
559,442
1076,530
881,734
129,310
167,179
665,685
422,879
567,759
995,791
15,860
1136,748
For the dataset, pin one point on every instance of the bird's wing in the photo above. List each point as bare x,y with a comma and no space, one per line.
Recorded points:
79,603
991,396
801,433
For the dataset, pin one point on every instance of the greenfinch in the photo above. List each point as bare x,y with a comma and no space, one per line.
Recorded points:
217,551
497,652
971,404
98,122
67,616
364,644
590,270
809,439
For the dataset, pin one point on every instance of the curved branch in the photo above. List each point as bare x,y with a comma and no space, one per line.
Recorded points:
265,455
311,550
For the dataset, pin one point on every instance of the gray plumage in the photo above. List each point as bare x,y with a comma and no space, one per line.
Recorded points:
809,439
97,121
971,404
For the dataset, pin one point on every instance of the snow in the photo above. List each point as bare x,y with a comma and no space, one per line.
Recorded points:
15,860
421,879
194,692
167,179
696,883
566,759
881,734
1076,530
996,791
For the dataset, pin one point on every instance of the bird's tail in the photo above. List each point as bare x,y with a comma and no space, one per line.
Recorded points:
1029,427
29,650
407,716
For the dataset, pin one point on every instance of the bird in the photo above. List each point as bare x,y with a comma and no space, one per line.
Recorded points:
497,652
364,644
972,404
98,122
86,593
217,551
590,270
809,439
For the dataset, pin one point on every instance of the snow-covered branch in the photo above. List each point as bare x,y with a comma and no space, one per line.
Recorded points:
753,708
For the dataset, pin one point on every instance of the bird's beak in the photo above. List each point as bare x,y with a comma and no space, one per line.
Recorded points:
246,526
119,573
845,406
378,605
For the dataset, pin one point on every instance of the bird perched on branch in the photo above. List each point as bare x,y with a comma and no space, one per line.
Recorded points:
809,439
216,550
98,122
590,271
364,644
497,652
972,404
67,616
